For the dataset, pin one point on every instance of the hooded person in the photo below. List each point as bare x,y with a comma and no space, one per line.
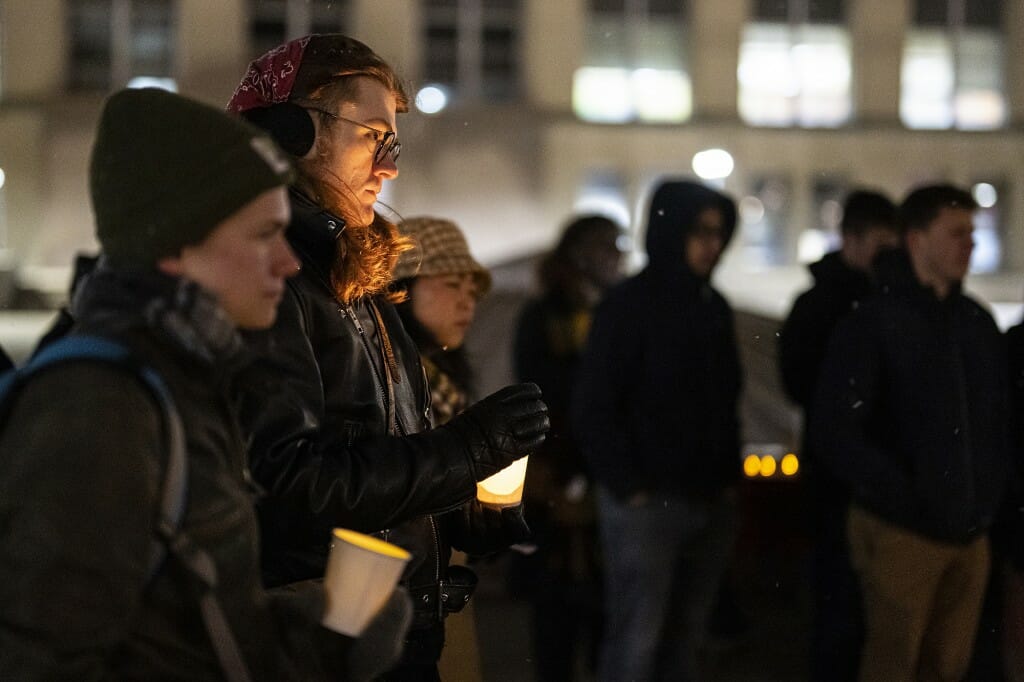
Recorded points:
337,407
85,445
656,416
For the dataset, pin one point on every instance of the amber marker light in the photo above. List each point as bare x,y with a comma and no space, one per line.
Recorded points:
751,466
790,465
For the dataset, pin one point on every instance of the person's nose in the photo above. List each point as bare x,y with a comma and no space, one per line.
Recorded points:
286,263
386,168
467,298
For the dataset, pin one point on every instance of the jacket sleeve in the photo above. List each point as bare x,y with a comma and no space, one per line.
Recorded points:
802,342
80,476
598,410
298,609
847,417
316,479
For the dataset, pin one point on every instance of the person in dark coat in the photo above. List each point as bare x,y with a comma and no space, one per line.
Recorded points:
841,280
911,413
337,407
84,444
655,411
562,578
1007,601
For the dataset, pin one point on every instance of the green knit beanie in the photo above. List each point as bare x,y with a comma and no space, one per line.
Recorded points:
166,170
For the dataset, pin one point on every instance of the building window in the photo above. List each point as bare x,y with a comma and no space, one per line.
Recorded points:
952,74
987,256
635,66
794,67
764,215
114,42
471,49
603,192
273,22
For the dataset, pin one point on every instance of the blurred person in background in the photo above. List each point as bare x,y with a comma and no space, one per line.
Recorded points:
443,283
841,280
911,413
562,578
1008,536
336,403
655,411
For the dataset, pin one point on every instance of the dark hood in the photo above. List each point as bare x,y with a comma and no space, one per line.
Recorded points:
833,272
672,215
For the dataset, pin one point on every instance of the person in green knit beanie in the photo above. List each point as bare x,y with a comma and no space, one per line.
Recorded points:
191,208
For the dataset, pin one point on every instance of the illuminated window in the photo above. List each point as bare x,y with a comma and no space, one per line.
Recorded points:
603,192
952,73
114,41
765,214
272,22
794,66
988,227
471,48
635,64
822,235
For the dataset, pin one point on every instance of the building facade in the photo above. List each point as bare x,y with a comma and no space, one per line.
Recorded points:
540,108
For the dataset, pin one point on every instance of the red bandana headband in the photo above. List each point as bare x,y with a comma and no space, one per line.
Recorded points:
270,78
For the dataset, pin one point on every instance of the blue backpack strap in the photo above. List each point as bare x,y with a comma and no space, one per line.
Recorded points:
170,538
101,349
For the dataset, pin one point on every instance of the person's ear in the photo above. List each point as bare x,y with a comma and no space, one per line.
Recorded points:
290,125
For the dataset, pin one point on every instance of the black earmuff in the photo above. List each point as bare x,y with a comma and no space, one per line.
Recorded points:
290,125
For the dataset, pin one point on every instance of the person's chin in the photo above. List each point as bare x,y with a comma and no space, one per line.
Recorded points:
366,215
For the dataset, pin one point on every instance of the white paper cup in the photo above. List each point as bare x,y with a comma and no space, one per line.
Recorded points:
361,574
505,488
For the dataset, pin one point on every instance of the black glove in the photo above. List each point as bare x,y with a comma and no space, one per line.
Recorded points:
379,648
477,528
502,428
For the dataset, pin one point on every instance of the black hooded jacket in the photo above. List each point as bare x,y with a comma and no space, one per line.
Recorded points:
911,407
655,405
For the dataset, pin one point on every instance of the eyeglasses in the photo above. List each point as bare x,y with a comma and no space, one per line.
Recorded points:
387,140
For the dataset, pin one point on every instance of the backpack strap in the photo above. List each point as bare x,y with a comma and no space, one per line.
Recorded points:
170,538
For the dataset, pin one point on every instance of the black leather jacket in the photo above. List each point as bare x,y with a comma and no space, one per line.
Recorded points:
83,452
321,404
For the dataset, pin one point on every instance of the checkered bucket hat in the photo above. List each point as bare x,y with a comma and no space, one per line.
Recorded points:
441,249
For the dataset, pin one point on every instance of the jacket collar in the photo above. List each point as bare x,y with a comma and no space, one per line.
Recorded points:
832,271
314,233
896,275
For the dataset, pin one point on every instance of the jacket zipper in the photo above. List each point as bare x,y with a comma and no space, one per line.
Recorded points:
966,449
437,569
348,312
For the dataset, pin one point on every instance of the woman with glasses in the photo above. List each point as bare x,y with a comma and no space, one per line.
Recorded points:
336,404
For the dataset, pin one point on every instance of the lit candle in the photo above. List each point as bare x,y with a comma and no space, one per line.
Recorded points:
361,574
505,488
